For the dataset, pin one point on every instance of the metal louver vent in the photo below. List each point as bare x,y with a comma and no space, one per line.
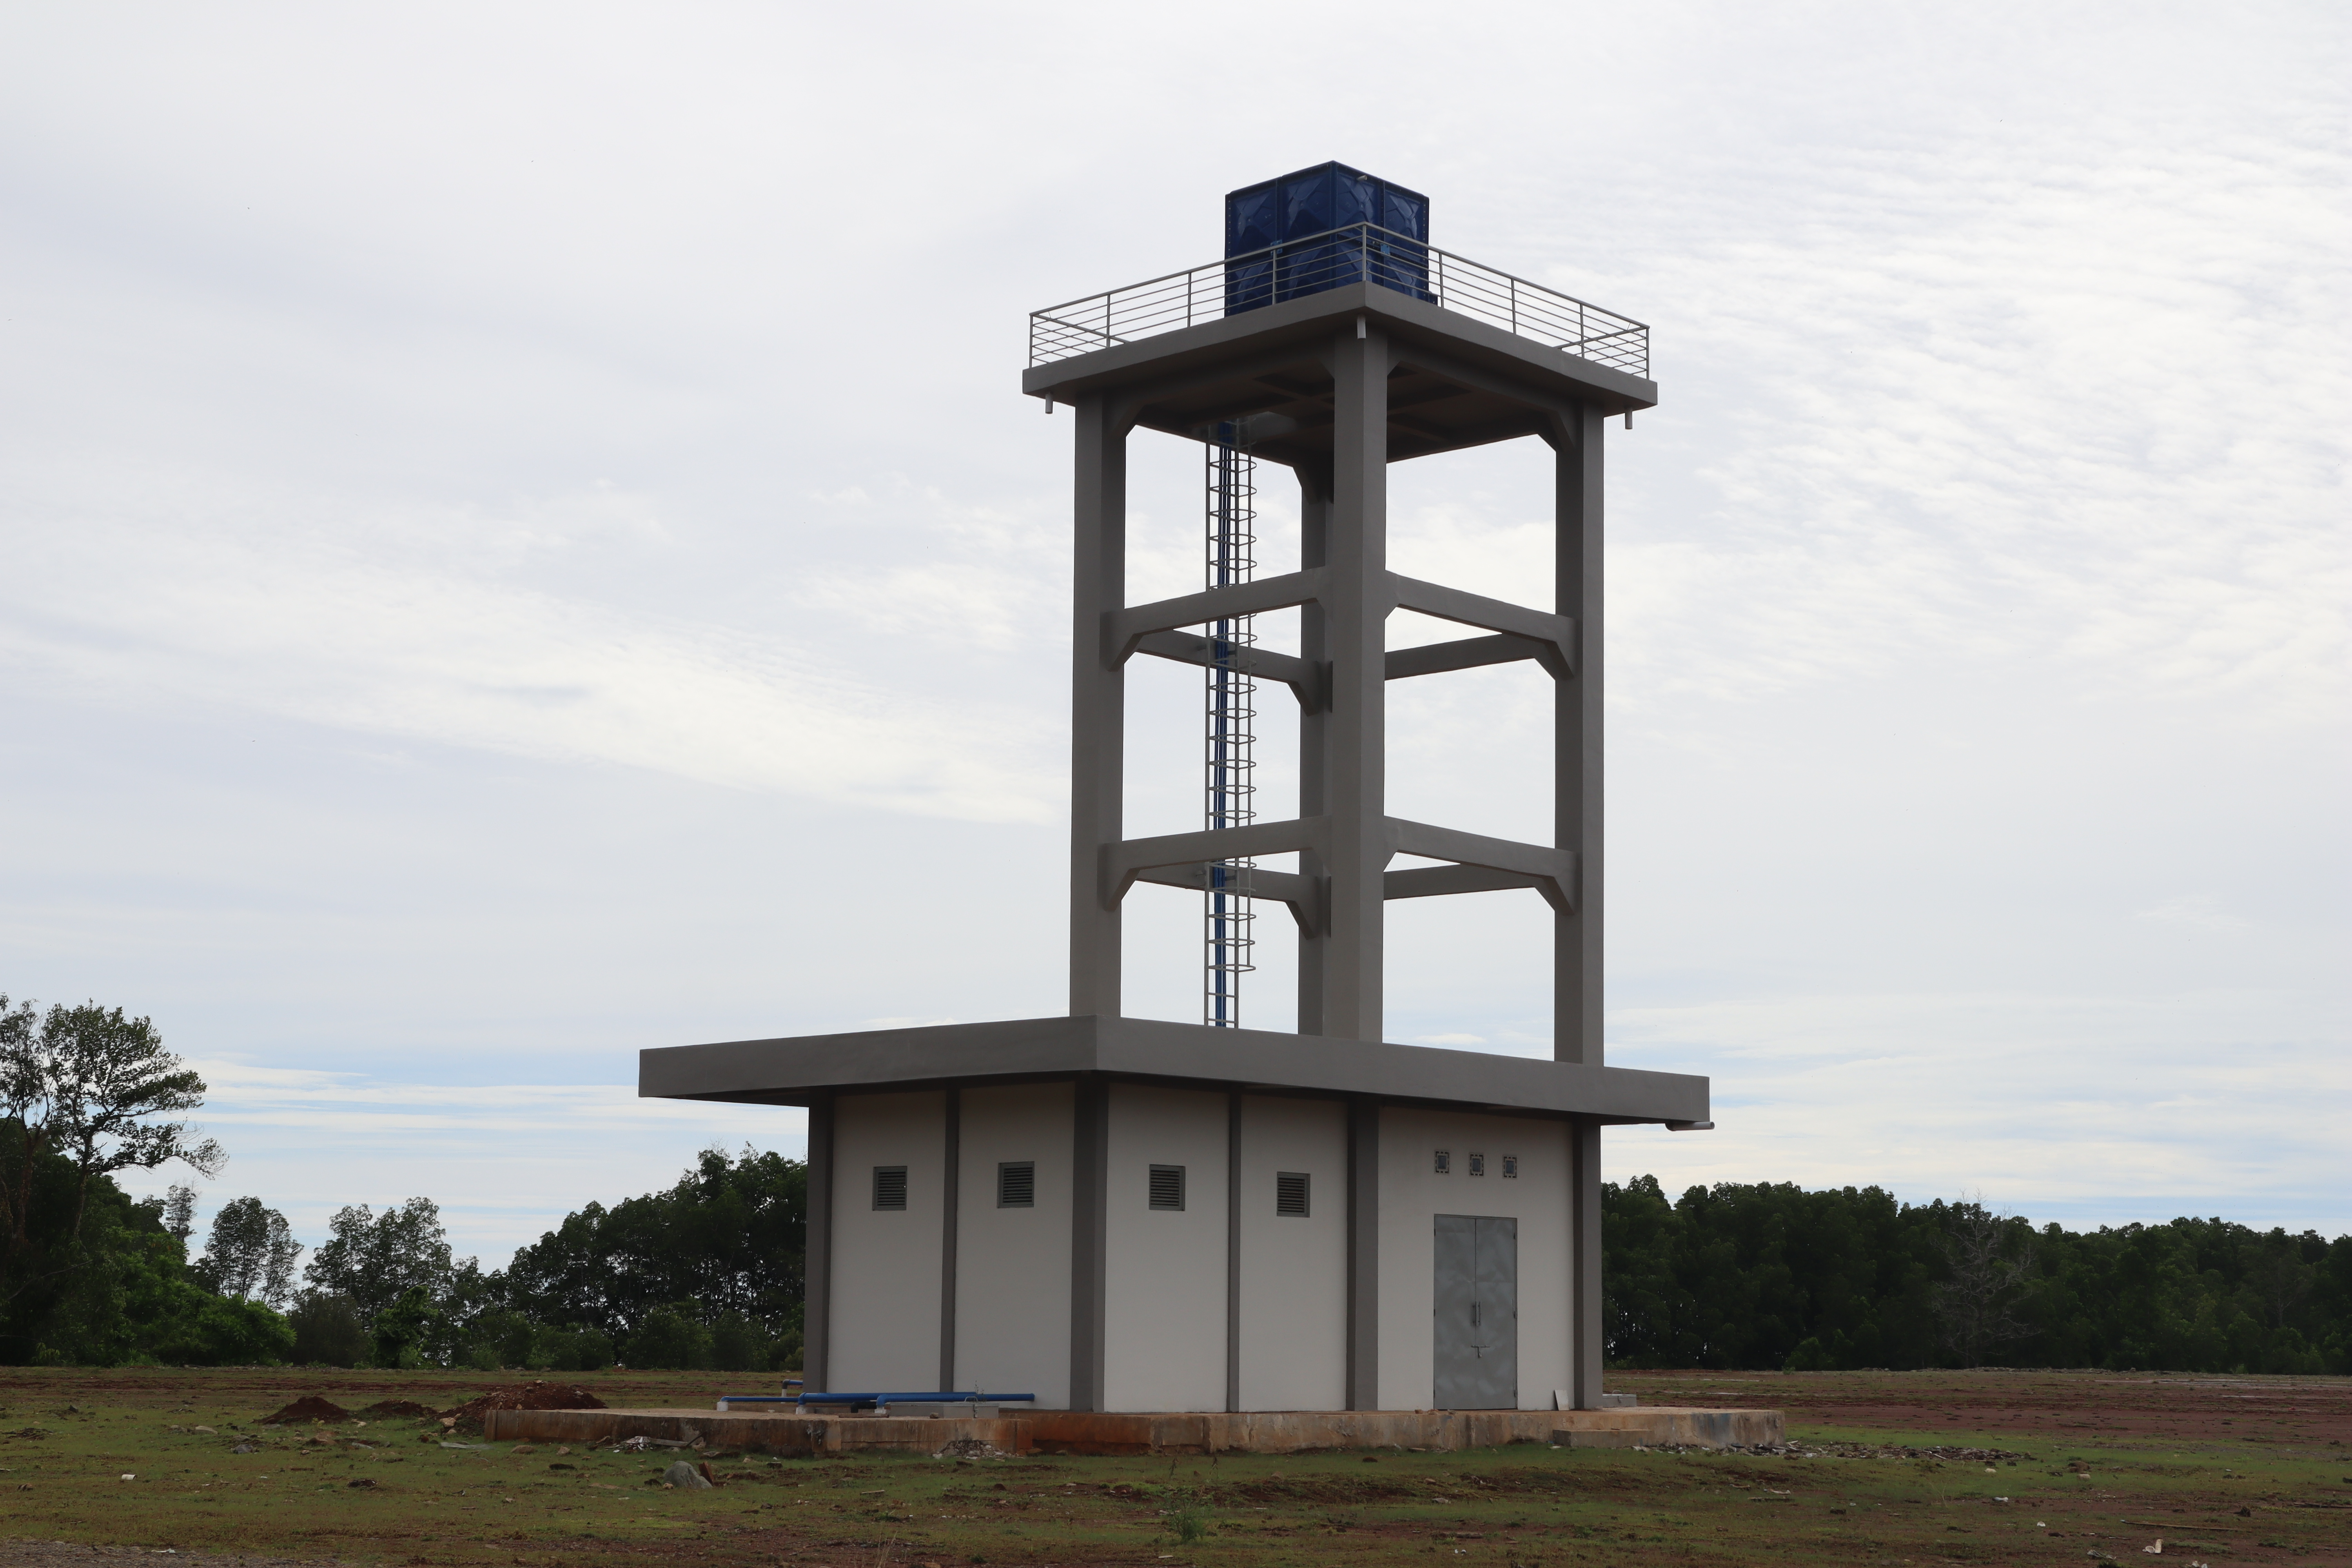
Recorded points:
1016,1185
1168,1186
889,1186
1290,1193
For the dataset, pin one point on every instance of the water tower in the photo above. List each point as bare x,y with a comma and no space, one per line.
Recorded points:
1134,1214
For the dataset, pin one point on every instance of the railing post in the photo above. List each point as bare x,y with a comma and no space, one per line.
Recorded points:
1515,304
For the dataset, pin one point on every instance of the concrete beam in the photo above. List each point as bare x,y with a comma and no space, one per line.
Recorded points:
1124,630
1299,893
1556,634
1433,881
1464,653
1305,681
1126,860
1551,872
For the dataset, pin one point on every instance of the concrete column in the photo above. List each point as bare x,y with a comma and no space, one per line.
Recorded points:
1314,647
1355,732
816,1257
1576,739
1584,1252
1089,1211
1097,706
1364,1253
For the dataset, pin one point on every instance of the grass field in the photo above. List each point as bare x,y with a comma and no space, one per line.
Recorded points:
2221,1470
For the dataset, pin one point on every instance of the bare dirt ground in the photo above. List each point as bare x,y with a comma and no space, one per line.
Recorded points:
2045,1407
1885,1469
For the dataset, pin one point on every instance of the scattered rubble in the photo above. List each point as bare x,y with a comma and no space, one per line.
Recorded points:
685,1477
970,1448
1946,1454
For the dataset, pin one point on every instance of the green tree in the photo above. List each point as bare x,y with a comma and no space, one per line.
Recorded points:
1772,1276
403,1330
328,1331
725,1242
180,1211
670,1335
88,1087
251,1252
374,1260
134,1299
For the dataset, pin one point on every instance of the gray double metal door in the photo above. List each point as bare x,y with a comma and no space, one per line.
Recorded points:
1477,1313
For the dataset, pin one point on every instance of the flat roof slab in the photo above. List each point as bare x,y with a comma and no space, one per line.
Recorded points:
796,1069
1458,382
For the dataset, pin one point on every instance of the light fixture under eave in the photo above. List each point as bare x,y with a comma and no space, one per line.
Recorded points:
1690,1126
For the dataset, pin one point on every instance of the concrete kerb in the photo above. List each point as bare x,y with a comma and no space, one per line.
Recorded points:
1078,1432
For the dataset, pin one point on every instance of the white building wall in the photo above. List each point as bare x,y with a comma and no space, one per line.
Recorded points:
1413,1194
1293,1272
1164,1345
884,1307
1013,1266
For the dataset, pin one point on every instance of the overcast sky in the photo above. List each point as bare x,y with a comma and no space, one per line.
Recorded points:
522,543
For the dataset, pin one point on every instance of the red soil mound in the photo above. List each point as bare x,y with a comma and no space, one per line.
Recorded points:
386,1409
309,1407
535,1395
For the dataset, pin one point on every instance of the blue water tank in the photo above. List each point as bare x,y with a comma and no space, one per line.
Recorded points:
1323,228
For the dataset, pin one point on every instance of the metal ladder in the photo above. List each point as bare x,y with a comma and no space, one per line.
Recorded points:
1230,738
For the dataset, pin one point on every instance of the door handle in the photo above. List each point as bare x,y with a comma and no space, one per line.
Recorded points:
1474,1314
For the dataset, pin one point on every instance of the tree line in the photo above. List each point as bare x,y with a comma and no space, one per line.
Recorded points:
1771,1276
708,1272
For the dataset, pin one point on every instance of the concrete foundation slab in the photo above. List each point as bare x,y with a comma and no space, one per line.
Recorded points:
1082,1432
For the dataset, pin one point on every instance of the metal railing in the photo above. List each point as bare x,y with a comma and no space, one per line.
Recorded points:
1360,253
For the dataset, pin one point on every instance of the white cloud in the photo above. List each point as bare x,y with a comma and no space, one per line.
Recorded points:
2195,909
416,625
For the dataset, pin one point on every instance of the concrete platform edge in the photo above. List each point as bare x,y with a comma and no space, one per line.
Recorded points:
1077,1432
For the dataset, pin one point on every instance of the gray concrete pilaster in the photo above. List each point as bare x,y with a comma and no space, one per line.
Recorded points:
1097,706
817,1254
1089,1214
1355,731
1363,1309
950,1201
1233,1251
1585,1351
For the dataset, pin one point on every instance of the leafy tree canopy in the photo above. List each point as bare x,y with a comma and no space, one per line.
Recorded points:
374,1261
1772,1276
729,1238
94,1089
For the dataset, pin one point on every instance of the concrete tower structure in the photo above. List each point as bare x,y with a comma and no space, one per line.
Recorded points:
1130,1215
